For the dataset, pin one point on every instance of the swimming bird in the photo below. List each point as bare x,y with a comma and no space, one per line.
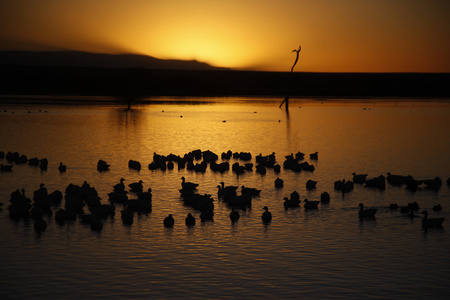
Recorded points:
169,221
136,186
366,213
310,204
437,207
314,155
188,185
291,202
207,216
431,222
120,187
62,168
359,178
5,168
250,191
279,183
311,184
234,215
266,215
190,220
325,197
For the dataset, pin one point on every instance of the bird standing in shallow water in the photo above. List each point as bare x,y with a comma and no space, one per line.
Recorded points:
266,215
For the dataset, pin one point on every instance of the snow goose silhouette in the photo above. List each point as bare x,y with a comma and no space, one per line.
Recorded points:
188,185
366,213
120,187
169,221
136,186
359,178
310,204
190,220
266,215
431,222
62,168
234,215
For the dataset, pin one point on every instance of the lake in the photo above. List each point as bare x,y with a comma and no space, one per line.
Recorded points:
324,253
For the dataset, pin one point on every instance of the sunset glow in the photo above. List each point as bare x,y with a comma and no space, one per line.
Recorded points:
336,36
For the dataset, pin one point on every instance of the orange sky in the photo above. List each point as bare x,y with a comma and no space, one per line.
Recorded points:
336,35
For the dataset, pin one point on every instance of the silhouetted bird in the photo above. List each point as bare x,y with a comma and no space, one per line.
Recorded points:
136,186
188,185
120,187
190,220
279,183
234,215
169,221
366,213
431,222
266,215
310,204
62,168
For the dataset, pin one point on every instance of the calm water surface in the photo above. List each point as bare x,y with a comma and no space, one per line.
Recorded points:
324,253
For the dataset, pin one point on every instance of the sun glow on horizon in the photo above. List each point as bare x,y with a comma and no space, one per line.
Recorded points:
344,36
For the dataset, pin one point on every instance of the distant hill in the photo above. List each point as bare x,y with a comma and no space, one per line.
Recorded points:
96,60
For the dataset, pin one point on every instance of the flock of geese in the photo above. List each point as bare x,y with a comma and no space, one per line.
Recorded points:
78,197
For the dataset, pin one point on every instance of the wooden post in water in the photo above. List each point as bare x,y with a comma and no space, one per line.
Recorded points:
286,100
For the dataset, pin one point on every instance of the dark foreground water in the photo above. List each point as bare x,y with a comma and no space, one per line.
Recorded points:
323,253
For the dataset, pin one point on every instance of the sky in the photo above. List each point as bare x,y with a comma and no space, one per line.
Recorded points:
335,35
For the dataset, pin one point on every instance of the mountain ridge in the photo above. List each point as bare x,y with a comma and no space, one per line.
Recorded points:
98,60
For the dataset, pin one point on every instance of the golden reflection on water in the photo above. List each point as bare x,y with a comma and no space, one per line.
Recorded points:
408,138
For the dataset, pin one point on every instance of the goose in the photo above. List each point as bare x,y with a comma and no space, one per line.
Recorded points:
266,215
311,184
188,185
437,207
190,220
127,216
250,191
120,187
431,222
136,186
279,183
366,213
359,178
5,168
291,202
234,215
169,221
40,224
62,168
310,204
325,197
226,191
207,216
314,155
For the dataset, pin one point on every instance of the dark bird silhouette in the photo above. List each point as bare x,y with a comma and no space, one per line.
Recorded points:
366,213
188,185
266,215
310,204
190,220
62,168
431,222
169,221
234,215
136,186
